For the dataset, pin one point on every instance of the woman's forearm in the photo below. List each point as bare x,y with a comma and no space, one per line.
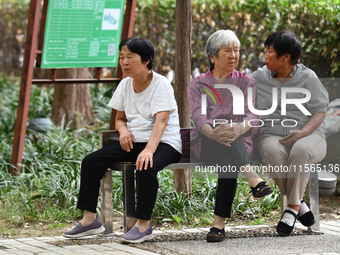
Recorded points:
157,131
314,122
120,121
119,125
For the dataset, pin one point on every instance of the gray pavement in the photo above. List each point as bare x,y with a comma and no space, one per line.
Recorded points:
310,244
241,240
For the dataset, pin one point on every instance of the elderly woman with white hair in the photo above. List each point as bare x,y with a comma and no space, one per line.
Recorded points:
228,145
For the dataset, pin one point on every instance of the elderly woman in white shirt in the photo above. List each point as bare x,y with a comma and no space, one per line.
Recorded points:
148,124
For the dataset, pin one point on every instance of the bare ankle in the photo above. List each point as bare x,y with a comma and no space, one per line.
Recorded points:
294,207
142,225
88,218
218,222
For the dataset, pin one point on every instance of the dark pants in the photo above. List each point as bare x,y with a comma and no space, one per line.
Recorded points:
95,164
230,158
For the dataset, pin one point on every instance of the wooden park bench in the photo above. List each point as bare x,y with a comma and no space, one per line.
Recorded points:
182,182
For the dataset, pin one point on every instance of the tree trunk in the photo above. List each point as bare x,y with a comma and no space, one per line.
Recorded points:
181,177
183,60
72,101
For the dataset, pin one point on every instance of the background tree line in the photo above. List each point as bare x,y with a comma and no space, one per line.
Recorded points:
315,22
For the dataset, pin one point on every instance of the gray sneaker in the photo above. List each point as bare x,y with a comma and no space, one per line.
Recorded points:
95,228
134,236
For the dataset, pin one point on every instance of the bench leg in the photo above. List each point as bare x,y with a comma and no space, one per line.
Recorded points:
314,198
129,199
106,204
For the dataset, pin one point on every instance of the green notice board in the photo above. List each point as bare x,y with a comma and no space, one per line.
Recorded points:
82,33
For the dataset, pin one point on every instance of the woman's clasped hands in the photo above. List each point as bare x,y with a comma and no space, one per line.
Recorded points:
226,133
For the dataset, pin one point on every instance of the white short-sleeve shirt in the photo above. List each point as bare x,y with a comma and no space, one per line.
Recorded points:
140,109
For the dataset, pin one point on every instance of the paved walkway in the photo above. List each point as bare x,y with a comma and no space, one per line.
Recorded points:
259,240
42,245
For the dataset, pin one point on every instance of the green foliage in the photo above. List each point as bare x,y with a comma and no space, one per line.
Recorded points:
40,103
13,22
198,210
317,24
244,203
47,188
100,97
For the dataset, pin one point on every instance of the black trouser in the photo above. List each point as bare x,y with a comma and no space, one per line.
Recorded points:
230,158
95,164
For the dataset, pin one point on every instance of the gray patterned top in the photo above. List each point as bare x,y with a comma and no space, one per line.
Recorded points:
302,77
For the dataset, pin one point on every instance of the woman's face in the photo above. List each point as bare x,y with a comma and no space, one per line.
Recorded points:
227,58
131,63
272,62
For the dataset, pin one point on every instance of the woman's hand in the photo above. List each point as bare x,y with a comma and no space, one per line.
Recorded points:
230,132
226,134
126,140
314,122
295,135
145,158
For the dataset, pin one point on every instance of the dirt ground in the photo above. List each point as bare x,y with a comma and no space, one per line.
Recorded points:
329,210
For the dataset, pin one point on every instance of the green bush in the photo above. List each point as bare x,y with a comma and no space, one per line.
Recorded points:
47,188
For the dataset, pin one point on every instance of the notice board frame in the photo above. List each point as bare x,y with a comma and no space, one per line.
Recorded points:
32,58
89,38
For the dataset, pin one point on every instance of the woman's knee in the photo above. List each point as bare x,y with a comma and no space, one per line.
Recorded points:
300,153
310,149
304,154
92,163
273,154
88,160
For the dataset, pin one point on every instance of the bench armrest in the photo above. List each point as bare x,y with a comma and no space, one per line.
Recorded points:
108,137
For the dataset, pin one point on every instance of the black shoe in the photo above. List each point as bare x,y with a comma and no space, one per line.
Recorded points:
216,235
284,229
261,190
307,219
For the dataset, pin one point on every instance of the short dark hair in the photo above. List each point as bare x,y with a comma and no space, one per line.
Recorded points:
283,42
142,47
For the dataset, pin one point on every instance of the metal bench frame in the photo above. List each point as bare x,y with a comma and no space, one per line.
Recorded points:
128,169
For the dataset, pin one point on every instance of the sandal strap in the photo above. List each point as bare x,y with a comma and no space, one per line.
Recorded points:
258,186
261,184
217,230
